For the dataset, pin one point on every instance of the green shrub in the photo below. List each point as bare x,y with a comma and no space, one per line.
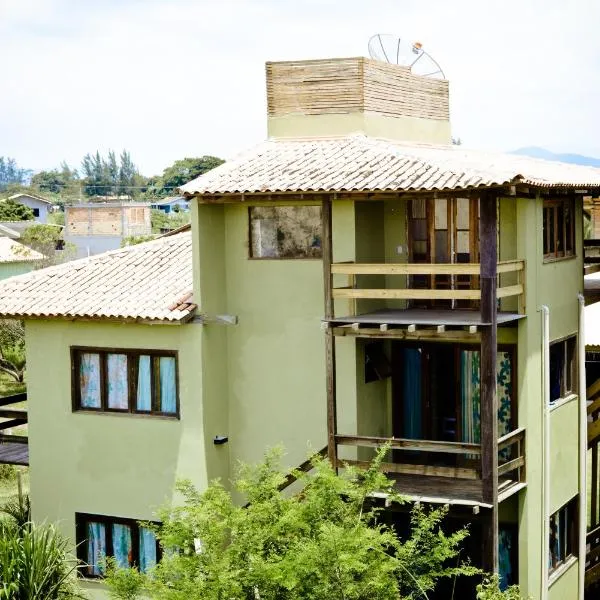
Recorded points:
8,472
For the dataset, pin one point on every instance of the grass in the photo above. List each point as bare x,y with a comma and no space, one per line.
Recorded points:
9,488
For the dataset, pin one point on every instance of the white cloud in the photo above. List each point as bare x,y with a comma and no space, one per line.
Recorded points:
183,77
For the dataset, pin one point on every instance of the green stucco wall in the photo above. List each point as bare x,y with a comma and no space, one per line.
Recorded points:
555,285
118,465
566,587
15,268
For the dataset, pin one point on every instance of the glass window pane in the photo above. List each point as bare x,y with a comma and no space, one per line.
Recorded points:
441,247
89,380
96,548
144,385
168,385
462,213
122,546
419,208
462,242
285,232
569,228
147,549
441,213
419,230
557,366
118,389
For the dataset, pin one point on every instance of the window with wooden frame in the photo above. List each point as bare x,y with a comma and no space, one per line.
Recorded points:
563,368
558,229
130,543
563,535
280,232
125,381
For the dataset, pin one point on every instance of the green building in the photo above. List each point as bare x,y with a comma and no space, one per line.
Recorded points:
352,281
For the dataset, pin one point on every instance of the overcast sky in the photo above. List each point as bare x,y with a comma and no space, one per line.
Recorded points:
173,78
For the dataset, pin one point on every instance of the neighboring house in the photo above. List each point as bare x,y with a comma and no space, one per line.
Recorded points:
40,206
351,291
175,204
95,228
16,259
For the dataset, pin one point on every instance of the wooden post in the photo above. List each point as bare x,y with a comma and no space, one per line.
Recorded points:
327,247
488,250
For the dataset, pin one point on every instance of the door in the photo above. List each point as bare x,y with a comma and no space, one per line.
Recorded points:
443,231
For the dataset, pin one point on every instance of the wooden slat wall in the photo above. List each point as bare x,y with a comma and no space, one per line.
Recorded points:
345,85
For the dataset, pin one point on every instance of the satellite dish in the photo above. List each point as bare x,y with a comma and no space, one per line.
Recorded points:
393,49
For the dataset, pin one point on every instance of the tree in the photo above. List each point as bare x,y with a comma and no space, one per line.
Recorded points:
179,173
329,543
109,177
47,239
11,173
12,350
13,211
63,181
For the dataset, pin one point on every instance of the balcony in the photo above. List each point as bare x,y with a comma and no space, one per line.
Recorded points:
424,294
445,471
14,448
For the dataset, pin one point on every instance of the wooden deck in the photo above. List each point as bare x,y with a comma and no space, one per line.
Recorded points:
14,453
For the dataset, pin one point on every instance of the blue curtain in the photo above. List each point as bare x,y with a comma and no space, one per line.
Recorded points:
168,386
505,550
147,549
118,389
96,548
121,535
89,380
411,393
144,388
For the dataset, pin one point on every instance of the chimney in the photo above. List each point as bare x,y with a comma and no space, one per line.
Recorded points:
337,96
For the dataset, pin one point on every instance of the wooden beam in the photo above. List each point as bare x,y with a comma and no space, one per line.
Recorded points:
405,294
472,329
409,444
456,336
327,245
383,327
441,328
7,400
421,470
13,413
488,252
411,328
12,423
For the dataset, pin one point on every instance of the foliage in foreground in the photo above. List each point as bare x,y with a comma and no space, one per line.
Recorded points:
327,543
35,560
489,589
12,349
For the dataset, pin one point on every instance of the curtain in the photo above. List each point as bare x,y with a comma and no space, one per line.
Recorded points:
122,547
411,392
147,549
89,380
96,548
118,392
168,386
505,551
144,388
470,394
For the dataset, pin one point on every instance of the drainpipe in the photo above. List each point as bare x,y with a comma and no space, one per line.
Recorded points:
582,447
546,449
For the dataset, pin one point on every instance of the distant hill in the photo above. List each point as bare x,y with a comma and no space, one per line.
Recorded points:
575,159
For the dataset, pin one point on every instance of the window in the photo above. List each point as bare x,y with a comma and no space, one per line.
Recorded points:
558,229
285,232
563,535
128,542
36,212
563,373
131,381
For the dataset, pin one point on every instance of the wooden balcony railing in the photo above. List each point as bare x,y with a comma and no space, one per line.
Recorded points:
592,558
458,461
452,271
12,417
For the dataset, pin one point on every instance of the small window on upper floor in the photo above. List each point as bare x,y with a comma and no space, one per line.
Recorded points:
282,232
125,540
563,372
558,229
563,535
126,381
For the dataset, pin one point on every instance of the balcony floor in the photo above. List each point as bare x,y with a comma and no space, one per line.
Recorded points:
14,453
425,317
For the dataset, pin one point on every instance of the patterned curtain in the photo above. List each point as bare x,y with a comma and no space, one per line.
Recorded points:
118,391
122,547
411,393
144,388
470,390
168,386
96,548
147,549
89,380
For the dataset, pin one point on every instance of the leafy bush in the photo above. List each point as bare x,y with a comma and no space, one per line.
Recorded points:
489,589
326,544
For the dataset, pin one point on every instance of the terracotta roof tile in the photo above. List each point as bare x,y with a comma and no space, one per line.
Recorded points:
150,282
